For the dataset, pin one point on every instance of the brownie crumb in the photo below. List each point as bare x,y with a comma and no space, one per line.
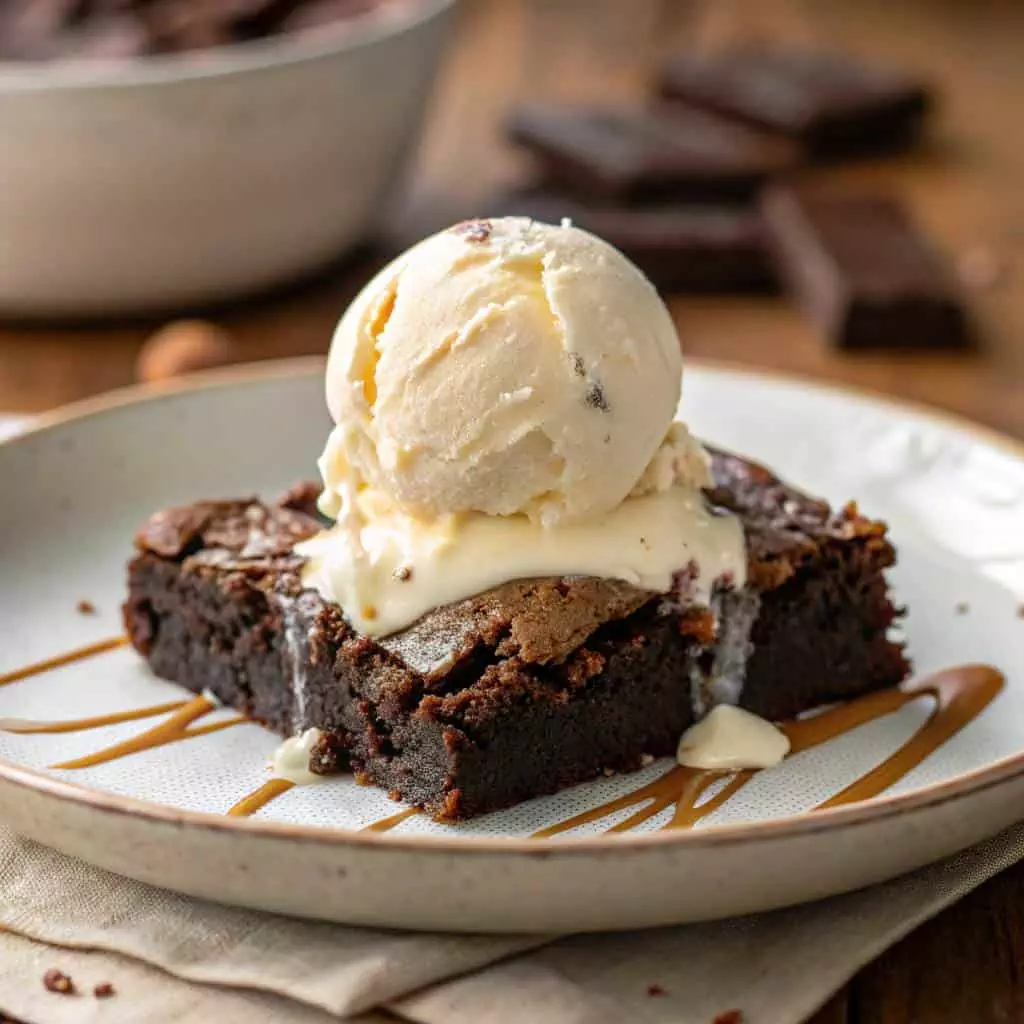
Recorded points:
656,990
104,990
85,607
962,608
596,398
59,982
729,1017
474,230
578,366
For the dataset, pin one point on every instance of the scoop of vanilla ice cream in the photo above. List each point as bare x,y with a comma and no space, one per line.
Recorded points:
504,366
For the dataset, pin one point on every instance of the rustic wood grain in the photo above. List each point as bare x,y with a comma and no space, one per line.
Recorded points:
835,1011
964,185
966,965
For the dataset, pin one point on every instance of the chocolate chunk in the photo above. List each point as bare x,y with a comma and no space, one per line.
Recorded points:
830,102
28,28
59,982
596,398
862,271
696,248
314,14
628,155
182,26
105,38
729,1017
474,230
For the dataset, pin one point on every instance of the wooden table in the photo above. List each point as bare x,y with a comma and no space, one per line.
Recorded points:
965,184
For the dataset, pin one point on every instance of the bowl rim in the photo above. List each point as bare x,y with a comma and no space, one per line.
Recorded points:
275,51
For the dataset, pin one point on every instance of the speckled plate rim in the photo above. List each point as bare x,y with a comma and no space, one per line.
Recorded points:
958,787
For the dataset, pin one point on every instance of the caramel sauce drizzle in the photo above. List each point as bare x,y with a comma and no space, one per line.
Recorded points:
387,824
959,695
31,727
270,790
273,788
79,654
178,727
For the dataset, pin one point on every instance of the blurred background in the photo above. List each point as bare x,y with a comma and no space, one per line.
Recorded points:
244,167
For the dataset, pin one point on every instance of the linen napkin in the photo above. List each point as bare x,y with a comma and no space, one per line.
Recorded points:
171,958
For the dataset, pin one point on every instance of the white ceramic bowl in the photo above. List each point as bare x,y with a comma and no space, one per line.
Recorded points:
174,181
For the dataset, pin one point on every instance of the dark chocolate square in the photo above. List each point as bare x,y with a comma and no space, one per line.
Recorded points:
862,271
638,154
832,103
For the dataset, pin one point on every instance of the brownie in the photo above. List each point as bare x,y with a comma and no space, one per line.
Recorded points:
528,688
862,270
831,103
697,248
628,155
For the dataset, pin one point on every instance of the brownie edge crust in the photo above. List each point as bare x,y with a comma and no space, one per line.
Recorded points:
531,687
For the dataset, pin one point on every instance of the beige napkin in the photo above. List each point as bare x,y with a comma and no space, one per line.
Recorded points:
176,959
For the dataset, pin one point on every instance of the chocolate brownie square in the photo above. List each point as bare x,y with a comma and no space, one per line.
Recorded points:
533,686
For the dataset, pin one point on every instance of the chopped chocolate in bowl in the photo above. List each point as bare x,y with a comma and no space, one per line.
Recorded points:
98,29
192,153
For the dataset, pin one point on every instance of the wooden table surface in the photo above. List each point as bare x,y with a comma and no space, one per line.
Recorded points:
964,184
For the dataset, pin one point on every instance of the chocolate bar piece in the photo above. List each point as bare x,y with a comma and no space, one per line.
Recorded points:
831,103
621,154
689,248
862,271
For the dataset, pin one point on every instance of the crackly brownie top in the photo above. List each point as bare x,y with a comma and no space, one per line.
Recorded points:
539,621
785,528
237,533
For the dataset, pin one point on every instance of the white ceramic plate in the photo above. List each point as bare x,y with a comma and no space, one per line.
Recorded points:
74,490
